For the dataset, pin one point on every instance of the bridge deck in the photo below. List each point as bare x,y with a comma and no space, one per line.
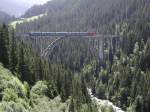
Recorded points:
62,33
70,34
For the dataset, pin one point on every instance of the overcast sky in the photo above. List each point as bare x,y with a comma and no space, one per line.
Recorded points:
32,2
18,7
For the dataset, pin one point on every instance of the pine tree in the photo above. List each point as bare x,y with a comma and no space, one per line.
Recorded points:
21,62
40,70
147,54
4,46
71,106
1,44
23,67
13,53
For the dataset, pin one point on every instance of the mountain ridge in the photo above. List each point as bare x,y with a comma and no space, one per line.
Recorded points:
5,18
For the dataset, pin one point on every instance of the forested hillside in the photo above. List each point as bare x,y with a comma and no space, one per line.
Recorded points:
19,97
85,15
61,81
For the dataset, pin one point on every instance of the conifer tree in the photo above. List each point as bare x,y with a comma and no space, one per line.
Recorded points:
13,53
4,45
23,67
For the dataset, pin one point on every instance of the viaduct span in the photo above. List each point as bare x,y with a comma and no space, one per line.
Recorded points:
113,41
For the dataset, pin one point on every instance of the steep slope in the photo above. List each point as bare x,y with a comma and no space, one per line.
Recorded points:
13,93
84,15
40,9
14,96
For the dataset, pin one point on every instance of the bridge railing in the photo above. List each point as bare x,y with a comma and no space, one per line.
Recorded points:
36,34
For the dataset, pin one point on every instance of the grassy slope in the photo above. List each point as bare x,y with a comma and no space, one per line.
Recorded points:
23,20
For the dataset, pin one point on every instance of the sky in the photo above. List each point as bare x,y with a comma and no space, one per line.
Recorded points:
32,2
18,7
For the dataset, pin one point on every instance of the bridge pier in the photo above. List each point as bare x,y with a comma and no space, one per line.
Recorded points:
101,50
108,49
107,45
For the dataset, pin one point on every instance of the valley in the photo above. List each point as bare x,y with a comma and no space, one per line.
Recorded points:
76,56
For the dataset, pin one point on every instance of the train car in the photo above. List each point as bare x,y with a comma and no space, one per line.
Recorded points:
62,34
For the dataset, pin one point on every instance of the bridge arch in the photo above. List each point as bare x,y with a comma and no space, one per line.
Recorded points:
113,41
